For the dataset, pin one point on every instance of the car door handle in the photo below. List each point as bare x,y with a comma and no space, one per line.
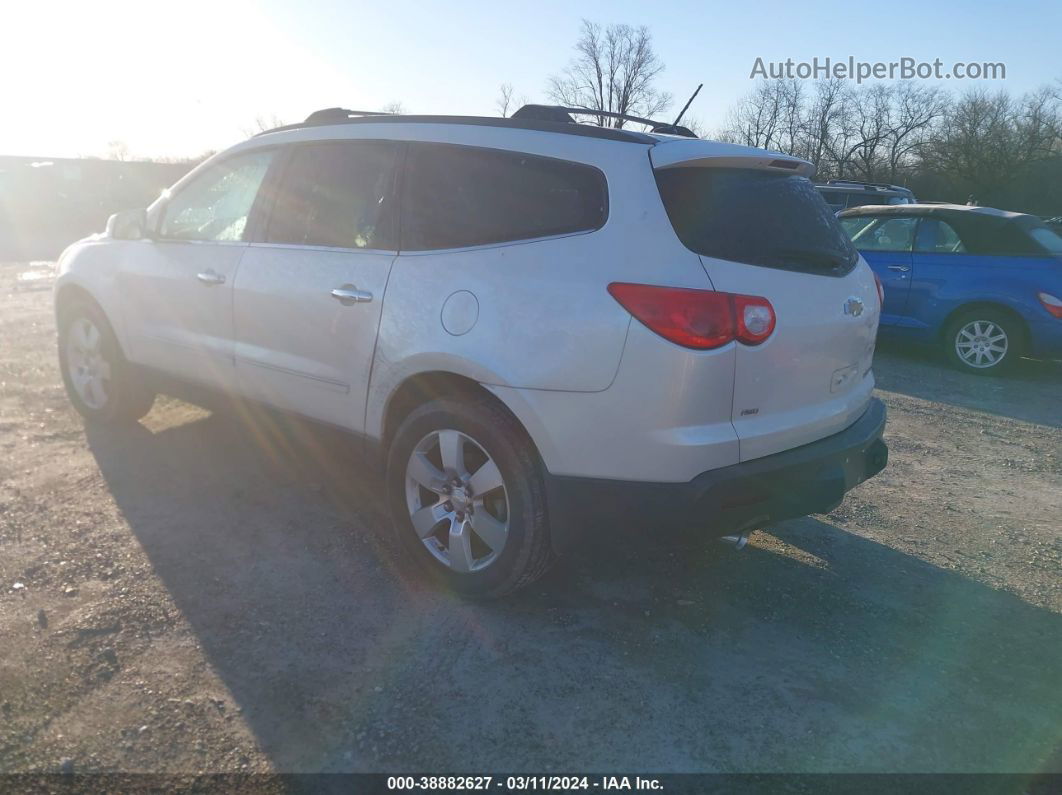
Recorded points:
210,277
349,294
900,268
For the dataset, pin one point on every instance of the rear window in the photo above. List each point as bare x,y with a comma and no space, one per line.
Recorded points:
1046,238
459,196
757,217
1001,236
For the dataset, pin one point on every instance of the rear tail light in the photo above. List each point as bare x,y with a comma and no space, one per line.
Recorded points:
881,290
698,319
1051,303
755,318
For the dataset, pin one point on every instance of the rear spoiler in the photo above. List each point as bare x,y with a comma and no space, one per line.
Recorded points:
710,154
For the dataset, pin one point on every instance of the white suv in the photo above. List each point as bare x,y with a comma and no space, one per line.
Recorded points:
538,325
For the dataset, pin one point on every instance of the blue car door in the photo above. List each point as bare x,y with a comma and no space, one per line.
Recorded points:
941,263
885,243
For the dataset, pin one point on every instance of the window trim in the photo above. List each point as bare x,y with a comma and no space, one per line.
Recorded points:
314,247
252,213
404,196
415,252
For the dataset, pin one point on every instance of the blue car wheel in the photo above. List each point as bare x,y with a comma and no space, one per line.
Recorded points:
983,342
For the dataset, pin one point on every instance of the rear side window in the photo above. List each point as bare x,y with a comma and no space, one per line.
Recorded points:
884,234
459,196
1000,236
758,217
938,237
1047,238
336,194
855,225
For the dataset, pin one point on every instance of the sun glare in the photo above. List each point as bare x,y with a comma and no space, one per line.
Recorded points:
161,83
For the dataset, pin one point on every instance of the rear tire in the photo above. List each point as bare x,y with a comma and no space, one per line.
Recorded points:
100,383
983,342
467,497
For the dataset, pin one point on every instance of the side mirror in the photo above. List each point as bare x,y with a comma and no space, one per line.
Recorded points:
128,225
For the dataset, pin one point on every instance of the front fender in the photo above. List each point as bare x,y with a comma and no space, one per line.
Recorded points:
89,265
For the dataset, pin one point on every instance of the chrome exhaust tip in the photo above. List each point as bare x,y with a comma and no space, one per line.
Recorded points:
736,541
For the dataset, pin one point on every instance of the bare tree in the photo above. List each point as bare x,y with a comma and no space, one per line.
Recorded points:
613,70
263,122
397,108
793,100
821,120
184,159
117,150
695,126
864,128
1007,150
743,121
843,131
768,118
989,140
915,112
504,102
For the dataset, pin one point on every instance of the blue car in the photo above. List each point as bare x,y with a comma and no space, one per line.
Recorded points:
984,284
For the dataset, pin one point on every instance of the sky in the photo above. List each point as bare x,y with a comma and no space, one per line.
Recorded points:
180,78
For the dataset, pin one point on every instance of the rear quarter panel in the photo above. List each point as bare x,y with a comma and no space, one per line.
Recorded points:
544,319
944,283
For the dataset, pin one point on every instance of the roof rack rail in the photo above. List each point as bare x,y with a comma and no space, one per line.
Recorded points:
865,184
559,113
557,123
332,115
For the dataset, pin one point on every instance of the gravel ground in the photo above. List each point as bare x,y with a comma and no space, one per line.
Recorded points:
209,593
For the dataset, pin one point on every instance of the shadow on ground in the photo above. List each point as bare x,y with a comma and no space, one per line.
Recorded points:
1028,392
825,652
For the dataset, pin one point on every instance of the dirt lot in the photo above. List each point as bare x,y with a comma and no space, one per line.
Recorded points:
203,593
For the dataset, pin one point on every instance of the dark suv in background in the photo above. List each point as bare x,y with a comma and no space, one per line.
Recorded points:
842,194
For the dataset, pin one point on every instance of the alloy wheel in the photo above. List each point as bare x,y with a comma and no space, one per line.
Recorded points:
87,364
457,500
981,344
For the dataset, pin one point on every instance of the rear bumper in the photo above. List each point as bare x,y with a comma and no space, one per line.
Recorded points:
812,478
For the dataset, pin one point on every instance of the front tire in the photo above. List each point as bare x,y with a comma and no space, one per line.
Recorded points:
100,383
467,497
983,342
